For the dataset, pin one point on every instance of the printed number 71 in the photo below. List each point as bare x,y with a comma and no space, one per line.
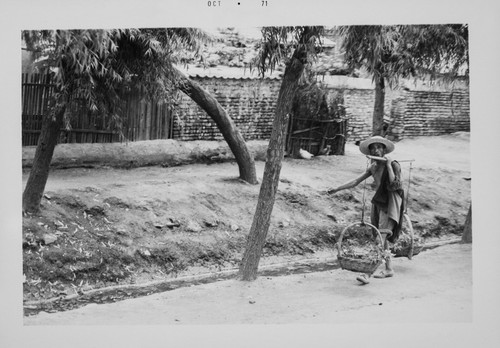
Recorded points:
264,3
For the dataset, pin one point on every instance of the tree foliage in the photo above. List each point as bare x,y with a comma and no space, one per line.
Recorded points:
439,50
279,43
401,51
98,66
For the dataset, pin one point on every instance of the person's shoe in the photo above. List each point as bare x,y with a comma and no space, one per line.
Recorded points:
363,279
384,274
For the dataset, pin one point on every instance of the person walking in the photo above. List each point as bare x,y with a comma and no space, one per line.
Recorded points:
388,202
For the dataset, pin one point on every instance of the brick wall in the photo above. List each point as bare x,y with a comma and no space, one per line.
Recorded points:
251,104
359,112
422,113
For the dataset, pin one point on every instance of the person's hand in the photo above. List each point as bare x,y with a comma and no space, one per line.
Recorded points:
388,160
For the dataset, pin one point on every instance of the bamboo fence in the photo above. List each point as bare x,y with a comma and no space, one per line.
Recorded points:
140,119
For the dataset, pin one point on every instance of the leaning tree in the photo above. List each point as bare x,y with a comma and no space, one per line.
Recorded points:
225,124
392,52
296,46
97,66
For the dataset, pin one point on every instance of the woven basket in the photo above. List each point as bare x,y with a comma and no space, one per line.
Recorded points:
407,245
359,264
408,251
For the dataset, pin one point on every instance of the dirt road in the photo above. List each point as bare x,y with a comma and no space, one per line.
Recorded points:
434,287
429,301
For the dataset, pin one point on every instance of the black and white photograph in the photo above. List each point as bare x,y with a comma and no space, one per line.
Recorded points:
250,173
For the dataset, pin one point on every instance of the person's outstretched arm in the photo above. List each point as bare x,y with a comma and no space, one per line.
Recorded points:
350,184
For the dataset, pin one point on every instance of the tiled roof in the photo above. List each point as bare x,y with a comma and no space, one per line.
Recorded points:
225,72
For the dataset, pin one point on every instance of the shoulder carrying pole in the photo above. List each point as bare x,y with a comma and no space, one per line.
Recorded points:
384,160
364,189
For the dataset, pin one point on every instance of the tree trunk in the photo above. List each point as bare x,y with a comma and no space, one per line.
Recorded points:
467,233
378,110
260,225
37,179
225,124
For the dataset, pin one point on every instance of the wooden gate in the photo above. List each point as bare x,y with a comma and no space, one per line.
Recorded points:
315,136
317,122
